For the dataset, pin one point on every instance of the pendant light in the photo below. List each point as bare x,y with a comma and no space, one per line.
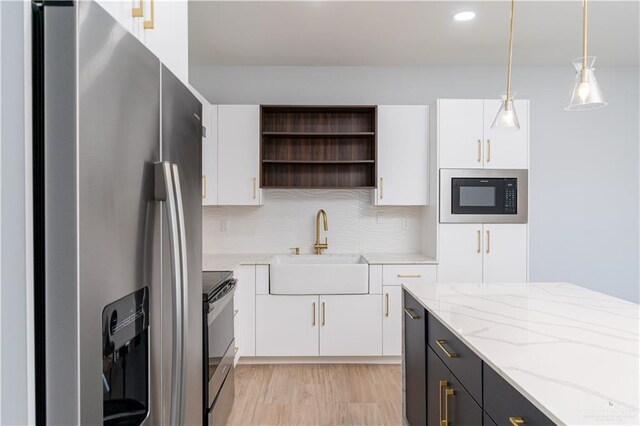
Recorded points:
586,91
507,119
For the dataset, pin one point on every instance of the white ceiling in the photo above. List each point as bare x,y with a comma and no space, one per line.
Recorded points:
393,33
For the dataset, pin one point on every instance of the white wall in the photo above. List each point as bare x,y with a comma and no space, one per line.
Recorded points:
584,222
287,219
16,356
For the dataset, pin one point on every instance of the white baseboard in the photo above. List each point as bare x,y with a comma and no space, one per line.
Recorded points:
321,360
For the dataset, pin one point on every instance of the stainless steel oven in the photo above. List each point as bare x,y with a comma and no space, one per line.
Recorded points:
483,196
219,346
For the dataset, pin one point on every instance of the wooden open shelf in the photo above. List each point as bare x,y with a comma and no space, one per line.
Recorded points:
318,146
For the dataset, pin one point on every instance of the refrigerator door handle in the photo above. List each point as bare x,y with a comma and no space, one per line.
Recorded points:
183,289
165,191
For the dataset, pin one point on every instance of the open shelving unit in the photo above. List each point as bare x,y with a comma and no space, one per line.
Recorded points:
318,146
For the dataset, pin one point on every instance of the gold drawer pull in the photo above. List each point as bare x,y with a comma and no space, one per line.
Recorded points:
136,12
440,344
411,314
479,249
516,421
313,313
488,242
324,314
488,150
409,275
235,312
386,305
479,150
149,24
441,386
235,350
447,393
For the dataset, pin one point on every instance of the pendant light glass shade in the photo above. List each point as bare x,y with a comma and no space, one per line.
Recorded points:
507,119
586,91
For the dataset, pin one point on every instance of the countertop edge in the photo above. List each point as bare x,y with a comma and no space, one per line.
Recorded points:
485,359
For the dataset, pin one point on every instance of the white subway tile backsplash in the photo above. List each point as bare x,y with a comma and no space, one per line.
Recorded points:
287,219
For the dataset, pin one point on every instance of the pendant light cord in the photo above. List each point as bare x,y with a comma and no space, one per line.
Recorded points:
584,35
510,55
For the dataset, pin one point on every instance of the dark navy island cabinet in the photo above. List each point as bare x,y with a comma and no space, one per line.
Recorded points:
447,384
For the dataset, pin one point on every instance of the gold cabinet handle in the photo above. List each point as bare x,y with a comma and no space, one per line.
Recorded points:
204,186
442,384
515,421
488,241
450,354
324,314
235,312
386,305
447,393
136,12
148,24
479,150
254,188
409,275
411,314
488,150
235,350
381,188
479,249
313,313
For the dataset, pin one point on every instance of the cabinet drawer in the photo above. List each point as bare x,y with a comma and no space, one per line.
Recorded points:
399,274
502,402
462,362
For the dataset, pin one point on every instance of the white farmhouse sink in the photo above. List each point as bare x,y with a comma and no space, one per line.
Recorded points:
319,274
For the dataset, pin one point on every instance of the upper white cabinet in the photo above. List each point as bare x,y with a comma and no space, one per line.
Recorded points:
403,155
161,25
490,253
239,155
466,140
165,32
209,154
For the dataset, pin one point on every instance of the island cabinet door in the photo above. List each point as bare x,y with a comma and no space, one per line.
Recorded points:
506,406
415,362
448,402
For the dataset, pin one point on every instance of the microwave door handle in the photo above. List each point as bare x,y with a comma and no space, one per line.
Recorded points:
182,324
165,192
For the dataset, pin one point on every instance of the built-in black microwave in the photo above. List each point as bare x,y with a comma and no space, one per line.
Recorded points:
483,196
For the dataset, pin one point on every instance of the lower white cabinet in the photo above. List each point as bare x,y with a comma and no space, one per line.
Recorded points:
350,325
392,320
341,325
286,325
244,305
491,253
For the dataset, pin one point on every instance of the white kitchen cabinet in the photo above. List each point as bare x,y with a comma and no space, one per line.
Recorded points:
350,325
244,302
392,320
403,155
506,149
466,140
239,155
162,26
209,153
460,133
505,253
123,12
287,325
164,30
460,247
483,253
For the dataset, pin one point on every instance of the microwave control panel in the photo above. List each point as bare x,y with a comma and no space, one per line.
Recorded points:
510,196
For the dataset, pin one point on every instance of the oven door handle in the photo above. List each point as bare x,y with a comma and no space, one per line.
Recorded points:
215,308
167,190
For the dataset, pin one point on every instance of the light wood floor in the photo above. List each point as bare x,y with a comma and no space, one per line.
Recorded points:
317,394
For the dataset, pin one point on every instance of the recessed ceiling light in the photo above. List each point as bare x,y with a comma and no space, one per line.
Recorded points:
464,16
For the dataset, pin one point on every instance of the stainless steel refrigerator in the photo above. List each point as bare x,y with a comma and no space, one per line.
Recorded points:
117,226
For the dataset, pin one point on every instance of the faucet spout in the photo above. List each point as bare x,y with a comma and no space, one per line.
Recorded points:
318,246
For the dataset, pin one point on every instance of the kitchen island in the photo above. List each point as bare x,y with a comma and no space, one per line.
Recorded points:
535,353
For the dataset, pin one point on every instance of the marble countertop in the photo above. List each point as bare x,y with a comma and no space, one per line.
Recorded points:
229,262
571,351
